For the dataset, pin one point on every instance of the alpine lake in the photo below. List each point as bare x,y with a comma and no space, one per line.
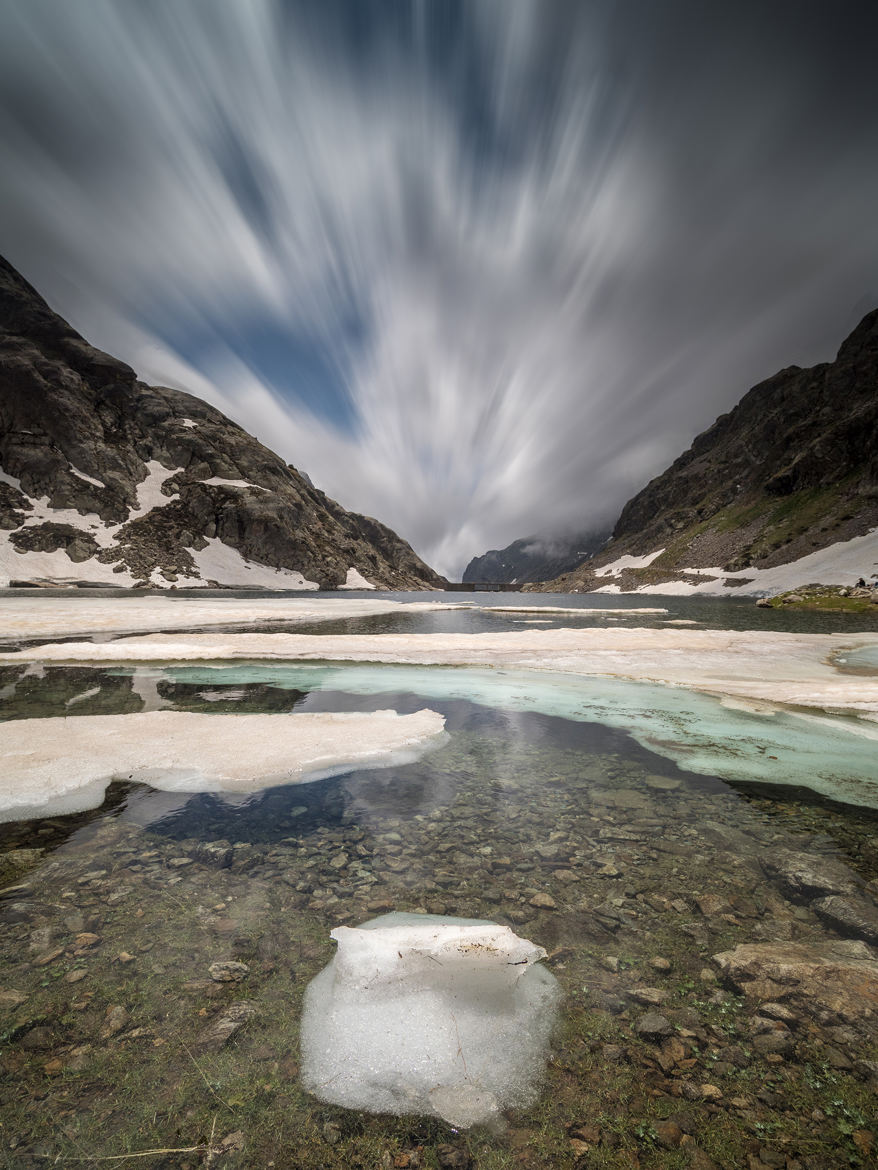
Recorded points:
155,951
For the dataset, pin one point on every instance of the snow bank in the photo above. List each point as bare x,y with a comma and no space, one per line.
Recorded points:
149,490
628,562
575,610
217,481
57,765
841,563
88,478
55,566
422,1014
224,564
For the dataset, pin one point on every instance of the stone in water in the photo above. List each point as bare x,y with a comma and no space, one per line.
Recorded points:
418,1013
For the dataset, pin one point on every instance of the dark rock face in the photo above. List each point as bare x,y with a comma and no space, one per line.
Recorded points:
79,433
535,558
792,469
48,537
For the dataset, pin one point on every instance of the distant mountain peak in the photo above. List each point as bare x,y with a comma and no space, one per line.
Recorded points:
535,558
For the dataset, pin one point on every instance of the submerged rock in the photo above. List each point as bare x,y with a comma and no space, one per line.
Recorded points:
806,876
652,1026
422,1014
228,971
224,1027
850,916
838,976
115,1019
16,862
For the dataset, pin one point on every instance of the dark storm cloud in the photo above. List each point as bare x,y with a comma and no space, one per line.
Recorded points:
481,269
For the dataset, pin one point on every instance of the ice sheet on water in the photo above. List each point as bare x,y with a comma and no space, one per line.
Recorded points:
58,765
738,739
424,1014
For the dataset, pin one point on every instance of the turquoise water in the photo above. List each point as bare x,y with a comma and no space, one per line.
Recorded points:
831,756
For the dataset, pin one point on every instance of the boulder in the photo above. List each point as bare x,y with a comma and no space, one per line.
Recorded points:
805,876
838,976
855,917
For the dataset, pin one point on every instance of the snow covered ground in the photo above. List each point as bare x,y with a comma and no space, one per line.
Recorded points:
221,563
356,580
837,564
57,565
627,562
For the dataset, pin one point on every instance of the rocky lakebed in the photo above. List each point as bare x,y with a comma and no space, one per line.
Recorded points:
714,947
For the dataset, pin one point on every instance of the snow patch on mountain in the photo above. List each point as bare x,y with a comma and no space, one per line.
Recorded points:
355,580
221,563
236,483
842,563
88,478
627,562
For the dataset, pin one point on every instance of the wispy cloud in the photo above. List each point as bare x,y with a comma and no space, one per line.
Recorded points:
530,247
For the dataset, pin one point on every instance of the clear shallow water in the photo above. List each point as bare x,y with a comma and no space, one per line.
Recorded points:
697,732
834,757
541,811
861,661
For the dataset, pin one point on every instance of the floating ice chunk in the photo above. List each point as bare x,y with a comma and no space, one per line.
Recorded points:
89,694
423,1014
59,765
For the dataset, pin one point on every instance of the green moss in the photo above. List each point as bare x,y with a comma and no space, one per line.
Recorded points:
780,520
822,599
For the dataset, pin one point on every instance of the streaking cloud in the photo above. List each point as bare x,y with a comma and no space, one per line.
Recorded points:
480,269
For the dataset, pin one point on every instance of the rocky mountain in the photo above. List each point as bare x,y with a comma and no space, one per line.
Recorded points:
535,558
781,491
107,480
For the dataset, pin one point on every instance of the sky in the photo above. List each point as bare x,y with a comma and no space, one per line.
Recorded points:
481,268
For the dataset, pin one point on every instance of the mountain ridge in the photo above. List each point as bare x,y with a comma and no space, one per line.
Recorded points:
788,473
104,478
